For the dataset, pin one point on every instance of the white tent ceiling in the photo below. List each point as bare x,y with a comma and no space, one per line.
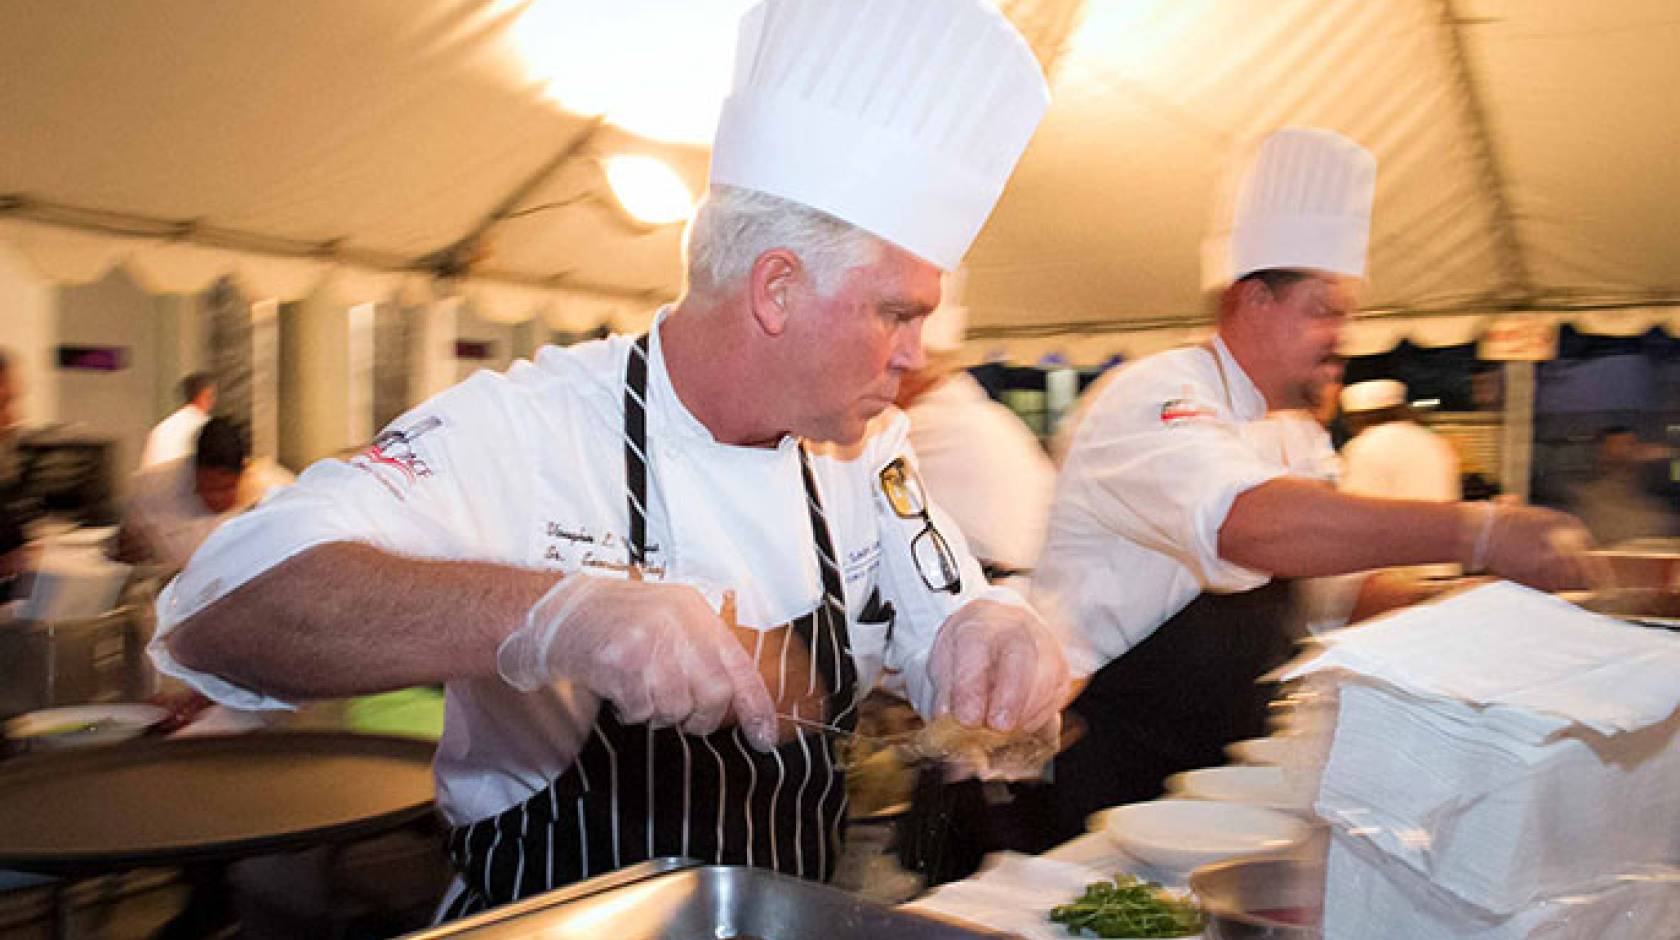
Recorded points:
1527,150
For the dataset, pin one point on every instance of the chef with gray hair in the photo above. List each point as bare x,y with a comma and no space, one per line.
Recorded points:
656,572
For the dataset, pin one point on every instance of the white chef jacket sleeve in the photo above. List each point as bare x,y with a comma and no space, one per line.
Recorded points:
1159,461
430,486
919,610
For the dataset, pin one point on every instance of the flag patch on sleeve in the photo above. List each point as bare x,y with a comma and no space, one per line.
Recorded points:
1184,409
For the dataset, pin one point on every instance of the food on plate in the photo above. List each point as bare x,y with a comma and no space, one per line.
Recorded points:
1128,907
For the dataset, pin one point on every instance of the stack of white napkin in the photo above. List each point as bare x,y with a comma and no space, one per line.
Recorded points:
1498,758
1375,895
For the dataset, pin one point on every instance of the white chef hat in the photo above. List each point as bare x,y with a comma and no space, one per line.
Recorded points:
1373,395
902,117
947,326
1303,202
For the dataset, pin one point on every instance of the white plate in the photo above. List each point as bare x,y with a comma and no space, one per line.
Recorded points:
1272,749
1179,835
82,725
1239,783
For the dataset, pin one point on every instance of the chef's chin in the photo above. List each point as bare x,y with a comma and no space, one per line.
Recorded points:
845,431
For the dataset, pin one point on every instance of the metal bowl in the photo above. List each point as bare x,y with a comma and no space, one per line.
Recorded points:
1272,898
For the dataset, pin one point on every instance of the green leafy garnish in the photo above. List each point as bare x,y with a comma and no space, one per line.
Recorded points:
1127,907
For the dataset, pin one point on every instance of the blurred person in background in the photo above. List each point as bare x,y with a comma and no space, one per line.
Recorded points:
1391,454
12,540
989,470
1616,504
1185,508
173,437
175,505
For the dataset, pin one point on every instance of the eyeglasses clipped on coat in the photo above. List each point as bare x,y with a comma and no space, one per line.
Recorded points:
935,561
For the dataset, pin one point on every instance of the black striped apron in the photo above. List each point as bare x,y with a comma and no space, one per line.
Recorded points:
635,793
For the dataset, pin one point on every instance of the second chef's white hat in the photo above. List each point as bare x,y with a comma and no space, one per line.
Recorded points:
1304,201
903,117
1373,395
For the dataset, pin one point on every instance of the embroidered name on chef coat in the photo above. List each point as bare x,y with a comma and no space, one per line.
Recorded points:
570,546
862,562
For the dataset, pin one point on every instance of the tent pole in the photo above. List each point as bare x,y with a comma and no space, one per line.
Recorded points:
458,258
1517,450
1511,259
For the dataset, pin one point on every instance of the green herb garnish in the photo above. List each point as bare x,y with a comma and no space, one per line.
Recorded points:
1127,907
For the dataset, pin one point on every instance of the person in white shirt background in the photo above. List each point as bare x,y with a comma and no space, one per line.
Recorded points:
990,472
174,506
1185,508
1390,453
173,437
633,561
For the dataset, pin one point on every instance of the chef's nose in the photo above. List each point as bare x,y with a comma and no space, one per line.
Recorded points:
909,355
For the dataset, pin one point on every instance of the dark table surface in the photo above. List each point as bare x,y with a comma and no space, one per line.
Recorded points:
186,800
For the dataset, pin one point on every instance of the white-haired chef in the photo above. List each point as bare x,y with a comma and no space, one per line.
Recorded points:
1391,454
1182,511
706,526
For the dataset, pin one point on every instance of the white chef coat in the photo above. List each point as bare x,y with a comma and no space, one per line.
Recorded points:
169,515
527,468
1401,460
1155,463
174,437
987,469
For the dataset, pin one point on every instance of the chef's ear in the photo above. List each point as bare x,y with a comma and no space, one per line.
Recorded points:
1253,292
776,275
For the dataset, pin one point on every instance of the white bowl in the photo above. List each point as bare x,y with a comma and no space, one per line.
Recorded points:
1271,750
83,725
1178,835
1239,783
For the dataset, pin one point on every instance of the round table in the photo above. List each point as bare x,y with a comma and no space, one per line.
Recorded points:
176,801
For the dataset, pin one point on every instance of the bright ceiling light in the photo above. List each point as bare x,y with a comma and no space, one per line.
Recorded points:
657,68
648,189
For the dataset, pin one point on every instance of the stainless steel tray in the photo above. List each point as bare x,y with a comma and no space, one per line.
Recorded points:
713,902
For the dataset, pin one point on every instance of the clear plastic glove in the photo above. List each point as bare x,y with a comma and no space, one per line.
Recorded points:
1541,548
998,664
658,652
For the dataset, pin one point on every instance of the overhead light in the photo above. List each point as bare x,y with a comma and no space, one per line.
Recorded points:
652,67
650,191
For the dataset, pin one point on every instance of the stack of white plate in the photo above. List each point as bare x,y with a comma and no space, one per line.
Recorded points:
1179,835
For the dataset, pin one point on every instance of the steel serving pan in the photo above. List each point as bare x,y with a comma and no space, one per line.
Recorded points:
712,902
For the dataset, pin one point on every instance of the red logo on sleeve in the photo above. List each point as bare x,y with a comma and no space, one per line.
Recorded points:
1184,409
393,452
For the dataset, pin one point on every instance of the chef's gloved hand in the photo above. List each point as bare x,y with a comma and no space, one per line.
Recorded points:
998,665
658,652
1542,548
